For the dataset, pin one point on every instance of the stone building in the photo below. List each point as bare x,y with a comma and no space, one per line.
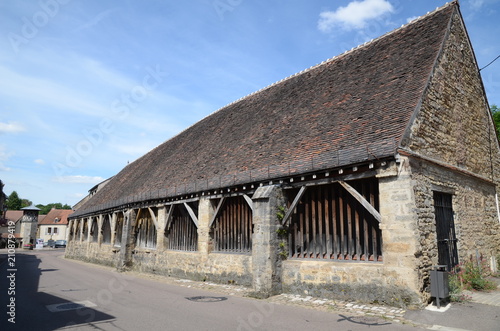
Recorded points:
54,225
29,224
348,180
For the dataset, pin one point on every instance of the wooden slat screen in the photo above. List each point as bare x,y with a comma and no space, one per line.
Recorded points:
119,229
106,230
85,232
329,223
145,231
232,229
183,233
94,230
76,230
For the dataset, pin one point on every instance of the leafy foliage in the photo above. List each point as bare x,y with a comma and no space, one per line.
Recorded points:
45,209
14,202
495,111
470,275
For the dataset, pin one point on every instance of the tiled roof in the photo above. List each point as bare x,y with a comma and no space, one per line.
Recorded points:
349,109
56,214
14,215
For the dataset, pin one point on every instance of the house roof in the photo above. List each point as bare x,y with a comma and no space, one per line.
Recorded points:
14,215
348,109
56,217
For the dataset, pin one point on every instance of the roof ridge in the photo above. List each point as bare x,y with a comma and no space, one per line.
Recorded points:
336,57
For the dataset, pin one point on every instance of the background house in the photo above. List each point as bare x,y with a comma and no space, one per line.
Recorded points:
54,225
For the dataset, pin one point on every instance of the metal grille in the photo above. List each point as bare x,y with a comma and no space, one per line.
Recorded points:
445,230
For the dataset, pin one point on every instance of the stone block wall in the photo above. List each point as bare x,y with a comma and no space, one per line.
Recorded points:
367,282
453,124
477,224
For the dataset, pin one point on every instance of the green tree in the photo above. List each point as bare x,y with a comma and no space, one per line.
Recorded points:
14,202
26,203
45,209
495,111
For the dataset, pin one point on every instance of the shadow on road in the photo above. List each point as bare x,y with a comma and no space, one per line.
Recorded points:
24,307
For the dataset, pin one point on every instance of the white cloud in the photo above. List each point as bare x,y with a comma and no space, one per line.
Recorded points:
11,127
39,161
410,19
78,179
476,4
355,15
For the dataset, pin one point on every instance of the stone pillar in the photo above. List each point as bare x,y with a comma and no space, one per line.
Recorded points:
160,230
68,232
100,221
205,214
266,263
127,245
399,228
112,224
90,222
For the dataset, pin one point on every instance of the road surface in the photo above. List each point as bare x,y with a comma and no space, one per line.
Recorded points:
40,290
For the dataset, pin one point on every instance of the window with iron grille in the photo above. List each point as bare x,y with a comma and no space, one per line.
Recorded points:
233,227
181,231
329,223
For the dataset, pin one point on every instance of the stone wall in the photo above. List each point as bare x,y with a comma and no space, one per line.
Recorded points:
367,282
453,149
476,220
454,125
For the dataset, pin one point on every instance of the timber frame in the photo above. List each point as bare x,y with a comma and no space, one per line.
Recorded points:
335,182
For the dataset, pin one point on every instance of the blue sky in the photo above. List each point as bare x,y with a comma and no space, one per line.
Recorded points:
88,86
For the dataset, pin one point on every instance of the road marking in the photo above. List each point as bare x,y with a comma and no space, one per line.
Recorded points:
65,306
445,328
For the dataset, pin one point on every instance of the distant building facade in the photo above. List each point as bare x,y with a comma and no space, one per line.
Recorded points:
54,225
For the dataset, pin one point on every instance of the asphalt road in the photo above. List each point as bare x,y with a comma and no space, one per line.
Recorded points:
98,298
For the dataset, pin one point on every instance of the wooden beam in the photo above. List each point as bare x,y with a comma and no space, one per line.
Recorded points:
221,201
191,213
249,201
169,217
294,204
153,217
362,200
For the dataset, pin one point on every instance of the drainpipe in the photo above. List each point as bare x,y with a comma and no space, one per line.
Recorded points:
498,208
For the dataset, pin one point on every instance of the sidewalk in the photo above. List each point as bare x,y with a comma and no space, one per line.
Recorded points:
482,313
469,316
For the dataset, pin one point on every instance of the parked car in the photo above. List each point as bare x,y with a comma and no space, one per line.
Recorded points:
60,243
